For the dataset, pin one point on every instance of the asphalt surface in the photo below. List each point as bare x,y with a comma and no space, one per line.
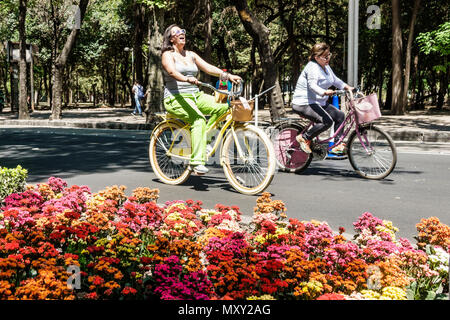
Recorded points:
328,191
106,146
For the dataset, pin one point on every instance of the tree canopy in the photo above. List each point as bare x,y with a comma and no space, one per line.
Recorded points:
100,69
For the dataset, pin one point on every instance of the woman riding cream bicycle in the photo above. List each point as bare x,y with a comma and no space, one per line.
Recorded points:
182,97
311,95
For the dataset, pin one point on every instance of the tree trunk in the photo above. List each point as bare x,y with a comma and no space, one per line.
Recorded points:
397,84
138,38
408,56
4,71
443,83
327,20
60,62
208,36
223,52
155,77
23,92
260,34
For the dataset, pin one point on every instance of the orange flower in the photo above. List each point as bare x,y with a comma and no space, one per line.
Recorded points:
432,231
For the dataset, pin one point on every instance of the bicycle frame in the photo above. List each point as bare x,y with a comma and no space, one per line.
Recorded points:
229,123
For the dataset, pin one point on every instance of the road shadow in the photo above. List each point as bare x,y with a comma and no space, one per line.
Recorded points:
67,155
214,180
334,173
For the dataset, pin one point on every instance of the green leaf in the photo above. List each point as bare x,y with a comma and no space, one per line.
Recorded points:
410,294
431,295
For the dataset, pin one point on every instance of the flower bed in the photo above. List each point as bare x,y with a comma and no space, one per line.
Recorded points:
132,248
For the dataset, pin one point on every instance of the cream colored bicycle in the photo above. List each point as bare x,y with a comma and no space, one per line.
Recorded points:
246,153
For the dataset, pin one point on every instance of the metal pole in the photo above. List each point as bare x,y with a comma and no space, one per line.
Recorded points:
256,110
31,78
352,55
350,42
355,42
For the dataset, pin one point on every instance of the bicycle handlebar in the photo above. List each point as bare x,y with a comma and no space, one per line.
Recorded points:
231,93
343,92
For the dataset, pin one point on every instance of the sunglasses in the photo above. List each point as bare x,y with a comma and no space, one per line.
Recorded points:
328,57
178,32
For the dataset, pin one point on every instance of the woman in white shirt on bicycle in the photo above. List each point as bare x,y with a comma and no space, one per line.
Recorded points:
311,95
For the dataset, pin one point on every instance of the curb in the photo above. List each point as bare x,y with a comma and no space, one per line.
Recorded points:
397,135
70,124
419,136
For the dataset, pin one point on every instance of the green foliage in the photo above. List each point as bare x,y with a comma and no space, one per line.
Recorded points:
12,180
430,286
436,42
161,4
294,26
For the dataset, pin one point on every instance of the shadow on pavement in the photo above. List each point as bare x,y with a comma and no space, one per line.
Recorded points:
45,155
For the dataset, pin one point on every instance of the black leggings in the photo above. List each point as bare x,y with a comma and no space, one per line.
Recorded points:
323,117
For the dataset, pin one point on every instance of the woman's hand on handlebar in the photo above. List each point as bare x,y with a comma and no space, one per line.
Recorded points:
349,88
233,78
329,92
192,80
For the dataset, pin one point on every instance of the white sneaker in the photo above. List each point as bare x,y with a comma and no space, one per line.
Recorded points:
200,169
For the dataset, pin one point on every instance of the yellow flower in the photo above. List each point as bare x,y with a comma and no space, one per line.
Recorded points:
260,238
178,226
393,293
263,297
370,294
281,231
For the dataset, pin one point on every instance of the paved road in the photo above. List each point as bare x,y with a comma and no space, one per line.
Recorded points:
329,190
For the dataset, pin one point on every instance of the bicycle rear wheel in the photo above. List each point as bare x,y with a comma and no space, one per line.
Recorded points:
290,158
375,155
170,142
248,159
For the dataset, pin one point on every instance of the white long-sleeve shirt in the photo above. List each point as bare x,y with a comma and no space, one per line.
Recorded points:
312,83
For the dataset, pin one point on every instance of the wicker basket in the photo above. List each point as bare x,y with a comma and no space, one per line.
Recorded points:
239,112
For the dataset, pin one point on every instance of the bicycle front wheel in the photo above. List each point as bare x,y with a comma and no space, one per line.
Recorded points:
373,155
248,159
169,151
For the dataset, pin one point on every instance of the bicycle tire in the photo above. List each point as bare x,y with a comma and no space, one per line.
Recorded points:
169,169
250,175
289,156
376,163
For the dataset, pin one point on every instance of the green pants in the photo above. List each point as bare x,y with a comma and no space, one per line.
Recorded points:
192,108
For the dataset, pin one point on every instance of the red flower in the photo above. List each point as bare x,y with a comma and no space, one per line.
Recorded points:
92,295
269,226
12,245
98,281
72,215
146,260
129,290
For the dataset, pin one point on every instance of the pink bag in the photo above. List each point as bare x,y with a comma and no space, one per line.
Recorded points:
367,108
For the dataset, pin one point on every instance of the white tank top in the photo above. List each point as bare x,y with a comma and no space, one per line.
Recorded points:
172,86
